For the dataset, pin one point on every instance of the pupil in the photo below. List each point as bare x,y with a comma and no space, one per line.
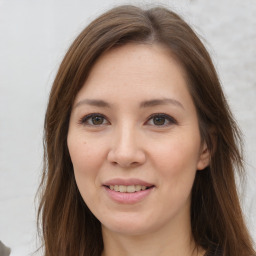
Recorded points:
159,120
97,120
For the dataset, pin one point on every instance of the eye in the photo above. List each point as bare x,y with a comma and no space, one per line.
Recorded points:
161,120
94,120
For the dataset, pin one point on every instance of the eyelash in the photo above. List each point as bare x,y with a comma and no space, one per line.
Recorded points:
85,120
169,119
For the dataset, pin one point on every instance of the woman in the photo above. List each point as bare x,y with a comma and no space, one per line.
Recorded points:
140,145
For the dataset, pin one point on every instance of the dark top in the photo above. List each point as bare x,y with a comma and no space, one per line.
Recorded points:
214,252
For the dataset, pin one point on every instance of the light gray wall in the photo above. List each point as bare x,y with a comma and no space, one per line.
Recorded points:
34,35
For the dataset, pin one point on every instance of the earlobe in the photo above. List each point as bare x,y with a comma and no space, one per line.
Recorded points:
204,158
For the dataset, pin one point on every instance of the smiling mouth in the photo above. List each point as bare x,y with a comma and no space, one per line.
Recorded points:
128,189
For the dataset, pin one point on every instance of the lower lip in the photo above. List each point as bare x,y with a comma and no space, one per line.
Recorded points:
128,198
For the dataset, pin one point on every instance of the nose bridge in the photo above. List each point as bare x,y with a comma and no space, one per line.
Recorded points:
126,148
126,136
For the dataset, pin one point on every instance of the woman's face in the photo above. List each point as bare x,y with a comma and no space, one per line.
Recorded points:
134,141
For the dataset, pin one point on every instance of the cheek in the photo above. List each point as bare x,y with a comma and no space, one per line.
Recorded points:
85,170
85,155
177,168
86,158
177,162
177,155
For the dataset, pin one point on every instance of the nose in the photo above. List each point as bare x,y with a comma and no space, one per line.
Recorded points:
126,149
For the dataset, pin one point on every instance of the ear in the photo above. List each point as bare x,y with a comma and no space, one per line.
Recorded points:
204,157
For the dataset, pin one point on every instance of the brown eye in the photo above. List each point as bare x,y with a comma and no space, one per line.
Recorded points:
94,120
97,120
159,120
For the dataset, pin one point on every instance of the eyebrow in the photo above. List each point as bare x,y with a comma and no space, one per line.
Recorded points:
143,104
93,102
157,102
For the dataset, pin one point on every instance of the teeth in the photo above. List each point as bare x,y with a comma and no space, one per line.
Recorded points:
122,189
127,189
131,189
137,188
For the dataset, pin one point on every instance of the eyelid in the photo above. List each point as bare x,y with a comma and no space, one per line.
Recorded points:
170,119
84,119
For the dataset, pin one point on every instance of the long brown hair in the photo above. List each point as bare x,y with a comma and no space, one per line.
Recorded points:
68,226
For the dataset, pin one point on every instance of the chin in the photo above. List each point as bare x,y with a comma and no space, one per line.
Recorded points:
129,226
127,229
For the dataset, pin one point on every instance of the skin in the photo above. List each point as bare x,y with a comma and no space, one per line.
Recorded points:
129,143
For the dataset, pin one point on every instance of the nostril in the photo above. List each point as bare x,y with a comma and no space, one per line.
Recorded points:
126,156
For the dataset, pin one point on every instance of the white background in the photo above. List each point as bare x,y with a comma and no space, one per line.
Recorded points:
34,35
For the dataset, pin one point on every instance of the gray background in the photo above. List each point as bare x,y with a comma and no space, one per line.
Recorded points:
34,35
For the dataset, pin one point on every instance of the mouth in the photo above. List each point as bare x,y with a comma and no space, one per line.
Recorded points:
128,189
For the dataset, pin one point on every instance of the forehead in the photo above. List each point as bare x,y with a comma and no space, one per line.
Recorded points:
137,58
133,71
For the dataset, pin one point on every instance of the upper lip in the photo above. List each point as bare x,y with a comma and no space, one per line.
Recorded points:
127,182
